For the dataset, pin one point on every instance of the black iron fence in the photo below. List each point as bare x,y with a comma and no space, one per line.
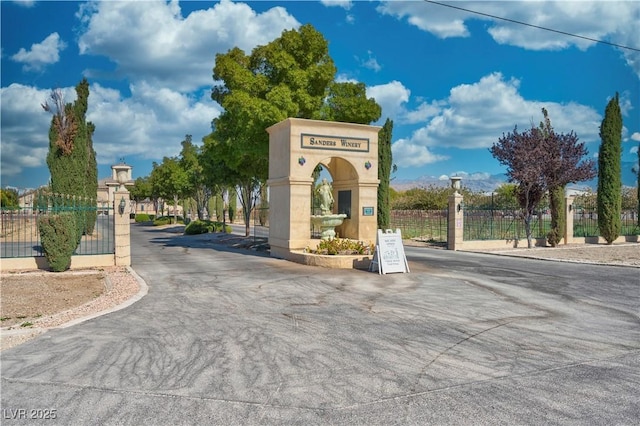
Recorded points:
425,225
20,237
585,216
494,217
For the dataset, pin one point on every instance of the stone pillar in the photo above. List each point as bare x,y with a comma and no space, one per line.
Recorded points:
455,222
568,223
122,226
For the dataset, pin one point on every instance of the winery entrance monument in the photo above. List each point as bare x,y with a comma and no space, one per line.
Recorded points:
349,152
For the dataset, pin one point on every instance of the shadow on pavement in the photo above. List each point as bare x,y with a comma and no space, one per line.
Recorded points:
173,236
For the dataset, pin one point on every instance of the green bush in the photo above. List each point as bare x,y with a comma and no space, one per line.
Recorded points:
142,217
58,234
162,220
199,227
342,246
166,220
205,226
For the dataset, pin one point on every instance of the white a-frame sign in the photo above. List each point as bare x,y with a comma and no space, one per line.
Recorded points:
389,255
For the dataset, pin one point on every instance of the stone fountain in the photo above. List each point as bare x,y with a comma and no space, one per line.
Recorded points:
327,224
327,221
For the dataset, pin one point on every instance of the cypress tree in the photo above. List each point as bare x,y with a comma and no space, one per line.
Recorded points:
385,161
90,191
609,172
558,215
71,158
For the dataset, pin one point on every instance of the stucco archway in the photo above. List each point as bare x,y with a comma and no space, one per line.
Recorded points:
348,151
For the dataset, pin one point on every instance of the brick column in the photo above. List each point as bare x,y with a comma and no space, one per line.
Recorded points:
455,222
122,229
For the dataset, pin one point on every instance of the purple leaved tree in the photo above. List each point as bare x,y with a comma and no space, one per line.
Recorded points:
540,160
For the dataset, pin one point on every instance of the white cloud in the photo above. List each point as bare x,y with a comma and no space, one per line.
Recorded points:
440,21
25,128
633,150
41,54
625,103
345,4
475,115
423,112
153,39
614,22
371,63
150,124
25,3
408,154
392,97
635,136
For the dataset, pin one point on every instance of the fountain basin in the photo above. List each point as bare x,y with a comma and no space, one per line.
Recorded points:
327,224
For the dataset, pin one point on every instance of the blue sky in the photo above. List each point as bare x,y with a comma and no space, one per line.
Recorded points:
452,81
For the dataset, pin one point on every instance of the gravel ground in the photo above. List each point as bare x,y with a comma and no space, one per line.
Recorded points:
34,302
122,287
627,254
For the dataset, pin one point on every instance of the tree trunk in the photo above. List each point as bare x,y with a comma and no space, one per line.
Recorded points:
175,209
527,228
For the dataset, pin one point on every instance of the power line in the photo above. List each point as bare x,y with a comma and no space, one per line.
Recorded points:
533,26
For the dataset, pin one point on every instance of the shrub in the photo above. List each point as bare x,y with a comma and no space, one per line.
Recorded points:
199,227
142,217
58,234
205,226
342,246
162,220
166,220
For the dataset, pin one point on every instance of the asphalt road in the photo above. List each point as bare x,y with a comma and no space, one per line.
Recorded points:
227,338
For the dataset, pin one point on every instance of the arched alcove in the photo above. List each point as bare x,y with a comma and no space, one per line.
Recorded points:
348,151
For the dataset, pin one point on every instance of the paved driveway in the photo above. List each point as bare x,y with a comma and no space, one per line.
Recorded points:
229,338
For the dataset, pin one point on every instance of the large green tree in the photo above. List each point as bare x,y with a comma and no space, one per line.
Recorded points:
219,176
385,165
170,181
71,158
141,189
286,78
347,102
191,162
292,76
610,172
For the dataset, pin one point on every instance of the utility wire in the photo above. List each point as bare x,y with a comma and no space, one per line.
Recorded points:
533,26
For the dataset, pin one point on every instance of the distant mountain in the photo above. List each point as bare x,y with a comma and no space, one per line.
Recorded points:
484,182
477,182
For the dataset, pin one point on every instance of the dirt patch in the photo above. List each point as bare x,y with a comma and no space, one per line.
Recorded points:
33,302
28,297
